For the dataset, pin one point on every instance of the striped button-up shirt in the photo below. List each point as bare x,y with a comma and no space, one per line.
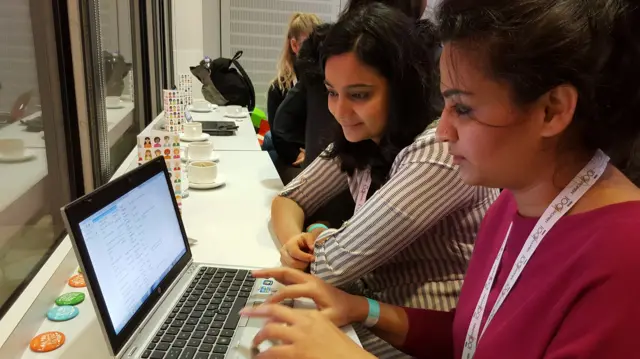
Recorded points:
410,243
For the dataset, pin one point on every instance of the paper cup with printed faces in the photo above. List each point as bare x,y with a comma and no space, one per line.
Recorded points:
185,86
201,172
172,98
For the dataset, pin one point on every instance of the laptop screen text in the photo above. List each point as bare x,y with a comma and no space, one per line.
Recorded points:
133,243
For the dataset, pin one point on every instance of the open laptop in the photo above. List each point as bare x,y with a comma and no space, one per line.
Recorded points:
219,128
151,299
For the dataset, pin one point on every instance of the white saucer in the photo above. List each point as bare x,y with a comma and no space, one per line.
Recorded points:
203,137
27,156
236,115
200,110
220,181
215,157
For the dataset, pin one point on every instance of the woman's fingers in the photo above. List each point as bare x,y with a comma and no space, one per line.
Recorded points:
299,254
284,275
289,262
286,260
275,332
294,292
273,312
309,242
278,352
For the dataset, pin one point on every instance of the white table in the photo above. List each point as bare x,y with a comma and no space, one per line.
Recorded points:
119,120
230,224
28,174
245,138
22,185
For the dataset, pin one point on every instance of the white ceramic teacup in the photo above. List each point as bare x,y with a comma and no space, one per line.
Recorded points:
12,147
199,151
193,129
112,101
233,110
201,106
202,172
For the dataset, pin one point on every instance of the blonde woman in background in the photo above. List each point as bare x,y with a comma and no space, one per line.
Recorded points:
301,25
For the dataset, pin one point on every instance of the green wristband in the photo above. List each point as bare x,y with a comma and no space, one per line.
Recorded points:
316,226
374,313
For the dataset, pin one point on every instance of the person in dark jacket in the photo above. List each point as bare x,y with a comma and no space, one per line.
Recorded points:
299,28
303,119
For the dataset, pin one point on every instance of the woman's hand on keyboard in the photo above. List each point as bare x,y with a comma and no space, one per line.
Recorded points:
338,306
302,334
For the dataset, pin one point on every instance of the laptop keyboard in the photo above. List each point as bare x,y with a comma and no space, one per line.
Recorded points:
205,318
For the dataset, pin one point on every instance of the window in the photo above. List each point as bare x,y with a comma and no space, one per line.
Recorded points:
34,180
118,79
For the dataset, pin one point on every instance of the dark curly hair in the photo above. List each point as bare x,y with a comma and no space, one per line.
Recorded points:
308,59
535,46
403,53
411,8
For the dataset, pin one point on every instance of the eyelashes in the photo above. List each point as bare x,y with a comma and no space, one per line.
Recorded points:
358,96
462,110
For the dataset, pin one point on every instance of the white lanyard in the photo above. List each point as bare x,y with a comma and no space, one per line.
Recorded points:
580,184
363,189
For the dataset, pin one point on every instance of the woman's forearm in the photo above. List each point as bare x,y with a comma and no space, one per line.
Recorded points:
287,218
421,333
392,326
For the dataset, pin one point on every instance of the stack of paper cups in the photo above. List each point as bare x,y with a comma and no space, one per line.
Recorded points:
174,115
185,85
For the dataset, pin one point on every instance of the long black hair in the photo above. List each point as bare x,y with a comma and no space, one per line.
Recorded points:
401,51
411,8
308,60
534,46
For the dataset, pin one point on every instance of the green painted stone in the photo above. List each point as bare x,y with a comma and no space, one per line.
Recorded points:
71,298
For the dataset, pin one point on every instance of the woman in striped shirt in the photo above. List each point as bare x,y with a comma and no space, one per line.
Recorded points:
415,221
533,102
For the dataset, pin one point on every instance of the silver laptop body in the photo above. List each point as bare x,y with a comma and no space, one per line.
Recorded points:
151,299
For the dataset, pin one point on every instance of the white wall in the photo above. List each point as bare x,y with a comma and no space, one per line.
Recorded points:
18,72
258,28
222,27
109,26
116,31
188,35
125,30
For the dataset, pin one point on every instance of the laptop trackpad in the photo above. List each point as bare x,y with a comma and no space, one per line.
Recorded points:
244,344
255,323
252,322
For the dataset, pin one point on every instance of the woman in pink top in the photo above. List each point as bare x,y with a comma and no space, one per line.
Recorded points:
536,93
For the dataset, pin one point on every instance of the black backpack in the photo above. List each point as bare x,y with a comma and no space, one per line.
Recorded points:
233,83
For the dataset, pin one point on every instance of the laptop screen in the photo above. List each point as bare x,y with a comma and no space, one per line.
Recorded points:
132,244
